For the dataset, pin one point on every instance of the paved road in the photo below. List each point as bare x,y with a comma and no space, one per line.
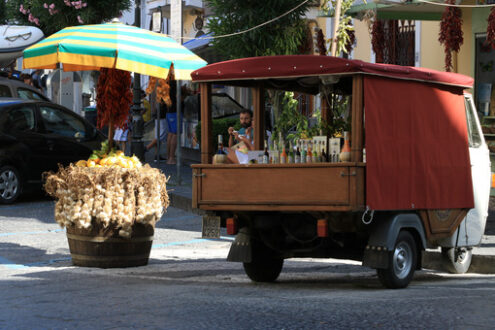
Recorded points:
188,285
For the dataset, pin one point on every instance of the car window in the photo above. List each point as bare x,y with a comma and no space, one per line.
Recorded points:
5,91
28,94
62,123
18,119
474,134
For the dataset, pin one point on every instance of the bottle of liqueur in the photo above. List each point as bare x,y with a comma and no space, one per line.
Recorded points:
324,157
309,153
220,150
316,156
276,154
266,155
283,154
297,156
303,152
290,158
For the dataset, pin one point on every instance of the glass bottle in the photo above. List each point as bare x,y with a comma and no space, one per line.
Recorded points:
309,153
303,152
290,158
345,153
283,154
220,150
297,156
266,155
324,157
316,156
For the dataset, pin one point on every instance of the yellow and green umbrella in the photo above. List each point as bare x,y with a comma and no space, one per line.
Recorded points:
113,45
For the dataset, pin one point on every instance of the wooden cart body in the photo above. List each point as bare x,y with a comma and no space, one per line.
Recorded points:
332,192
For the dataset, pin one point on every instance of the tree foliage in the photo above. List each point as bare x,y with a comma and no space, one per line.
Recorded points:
345,30
54,15
282,37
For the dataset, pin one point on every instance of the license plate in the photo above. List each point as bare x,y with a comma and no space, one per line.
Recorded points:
211,226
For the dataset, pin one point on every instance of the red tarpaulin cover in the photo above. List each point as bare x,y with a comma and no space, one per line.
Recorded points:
266,67
416,146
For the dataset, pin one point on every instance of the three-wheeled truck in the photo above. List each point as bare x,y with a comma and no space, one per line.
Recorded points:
424,183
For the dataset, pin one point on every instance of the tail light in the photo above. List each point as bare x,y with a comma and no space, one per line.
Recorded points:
231,226
322,228
493,180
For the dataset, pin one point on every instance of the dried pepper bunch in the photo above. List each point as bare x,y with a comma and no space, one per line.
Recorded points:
451,35
490,33
322,49
114,97
162,88
378,39
105,196
352,39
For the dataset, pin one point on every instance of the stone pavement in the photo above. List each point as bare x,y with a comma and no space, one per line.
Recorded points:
483,256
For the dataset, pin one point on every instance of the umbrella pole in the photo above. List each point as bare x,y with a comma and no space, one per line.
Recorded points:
110,133
137,144
178,150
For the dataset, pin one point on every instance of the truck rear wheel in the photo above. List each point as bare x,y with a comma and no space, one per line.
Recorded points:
402,262
264,270
265,265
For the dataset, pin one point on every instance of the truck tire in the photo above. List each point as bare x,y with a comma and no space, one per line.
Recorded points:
402,262
457,260
263,270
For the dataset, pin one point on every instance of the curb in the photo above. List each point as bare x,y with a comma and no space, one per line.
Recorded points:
480,264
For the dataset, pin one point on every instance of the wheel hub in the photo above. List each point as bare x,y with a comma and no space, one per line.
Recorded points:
8,184
402,261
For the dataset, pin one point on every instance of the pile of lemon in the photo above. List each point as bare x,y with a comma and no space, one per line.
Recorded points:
112,159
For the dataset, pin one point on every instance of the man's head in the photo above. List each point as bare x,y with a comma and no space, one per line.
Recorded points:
245,118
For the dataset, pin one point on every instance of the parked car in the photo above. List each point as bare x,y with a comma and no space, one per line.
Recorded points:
18,89
37,136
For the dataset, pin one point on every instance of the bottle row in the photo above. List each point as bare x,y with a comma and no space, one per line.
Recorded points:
302,151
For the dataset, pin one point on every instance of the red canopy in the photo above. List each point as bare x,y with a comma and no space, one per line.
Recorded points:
270,67
415,123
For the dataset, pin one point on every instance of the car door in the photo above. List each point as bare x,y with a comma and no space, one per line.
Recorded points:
28,152
65,134
472,227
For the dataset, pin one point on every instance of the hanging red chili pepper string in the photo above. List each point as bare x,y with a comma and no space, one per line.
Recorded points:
378,39
451,35
490,32
114,99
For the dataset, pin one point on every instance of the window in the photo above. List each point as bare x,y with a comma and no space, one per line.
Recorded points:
57,121
28,94
5,91
474,135
20,119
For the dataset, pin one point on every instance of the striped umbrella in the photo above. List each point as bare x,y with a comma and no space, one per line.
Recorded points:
113,45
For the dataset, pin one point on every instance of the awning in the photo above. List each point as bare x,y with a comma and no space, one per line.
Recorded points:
410,10
293,66
198,42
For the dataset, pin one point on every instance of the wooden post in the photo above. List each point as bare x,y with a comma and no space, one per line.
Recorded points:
259,116
206,124
326,113
357,119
